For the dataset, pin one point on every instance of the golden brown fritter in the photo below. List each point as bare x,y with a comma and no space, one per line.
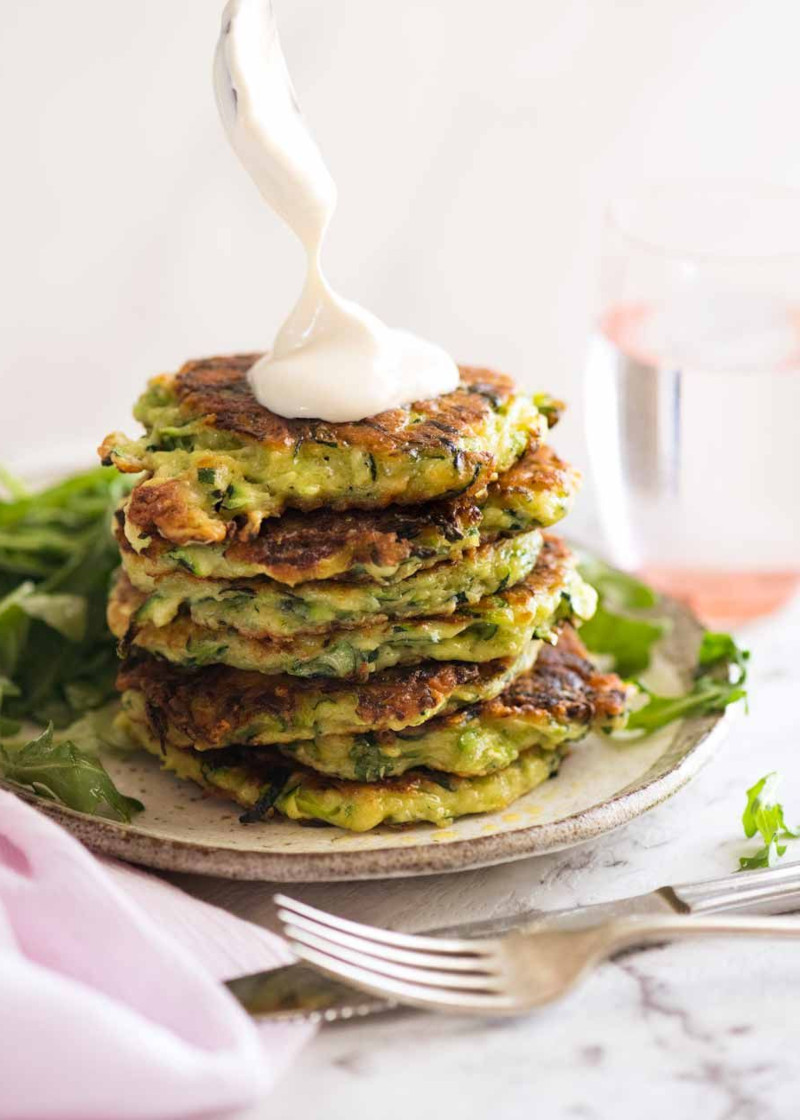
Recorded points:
217,706
215,457
384,545
264,788
217,388
558,702
497,626
565,685
545,707
297,548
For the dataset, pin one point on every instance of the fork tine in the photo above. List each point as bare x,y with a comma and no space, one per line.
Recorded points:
385,936
396,954
417,995
484,982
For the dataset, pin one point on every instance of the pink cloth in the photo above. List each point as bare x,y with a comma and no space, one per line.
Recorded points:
110,1001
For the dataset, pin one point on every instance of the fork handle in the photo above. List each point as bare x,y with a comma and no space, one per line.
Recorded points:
773,890
629,932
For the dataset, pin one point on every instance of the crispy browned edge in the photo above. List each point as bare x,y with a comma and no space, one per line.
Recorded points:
293,547
218,388
210,705
566,685
216,392
125,600
563,685
538,469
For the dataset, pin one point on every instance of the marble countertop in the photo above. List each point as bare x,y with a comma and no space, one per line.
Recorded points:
694,1030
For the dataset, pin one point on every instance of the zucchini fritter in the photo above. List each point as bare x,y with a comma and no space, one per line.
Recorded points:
264,608
558,699
380,545
498,626
215,455
263,786
219,707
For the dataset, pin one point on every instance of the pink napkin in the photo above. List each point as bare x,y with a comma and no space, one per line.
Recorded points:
110,1001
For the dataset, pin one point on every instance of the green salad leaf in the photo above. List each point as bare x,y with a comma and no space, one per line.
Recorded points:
64,613
720,680
57,658
618,588
57,555
626,631
721,649
61,772
623,637
629,641
764,815
8,726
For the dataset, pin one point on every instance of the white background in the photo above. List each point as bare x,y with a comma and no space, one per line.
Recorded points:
474,146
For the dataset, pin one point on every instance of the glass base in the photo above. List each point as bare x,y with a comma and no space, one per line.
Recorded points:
722,598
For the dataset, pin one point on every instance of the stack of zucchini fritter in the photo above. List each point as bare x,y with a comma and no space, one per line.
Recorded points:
352,623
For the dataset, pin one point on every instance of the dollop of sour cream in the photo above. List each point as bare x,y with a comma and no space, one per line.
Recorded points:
331,358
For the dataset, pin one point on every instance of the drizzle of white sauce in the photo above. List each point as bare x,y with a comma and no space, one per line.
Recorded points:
331,358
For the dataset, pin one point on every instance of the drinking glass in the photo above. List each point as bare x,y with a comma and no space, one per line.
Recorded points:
693,395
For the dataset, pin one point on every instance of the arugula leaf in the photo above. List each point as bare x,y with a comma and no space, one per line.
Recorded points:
14,625
717,649
764,857
7,688
65,613
721,684
61,772
764,814
621,588
57,657
7,726
57,555
700,700
628,640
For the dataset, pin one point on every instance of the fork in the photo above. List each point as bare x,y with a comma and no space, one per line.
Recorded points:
493,977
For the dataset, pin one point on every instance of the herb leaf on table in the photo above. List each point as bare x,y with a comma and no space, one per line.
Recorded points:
764,814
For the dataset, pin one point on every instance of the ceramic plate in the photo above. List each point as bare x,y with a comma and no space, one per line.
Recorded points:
602,785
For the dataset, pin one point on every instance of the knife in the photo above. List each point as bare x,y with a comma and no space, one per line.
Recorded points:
299,992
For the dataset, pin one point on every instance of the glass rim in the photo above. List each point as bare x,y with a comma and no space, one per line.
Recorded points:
705,191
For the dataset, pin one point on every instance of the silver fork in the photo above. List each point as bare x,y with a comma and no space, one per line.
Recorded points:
497,976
